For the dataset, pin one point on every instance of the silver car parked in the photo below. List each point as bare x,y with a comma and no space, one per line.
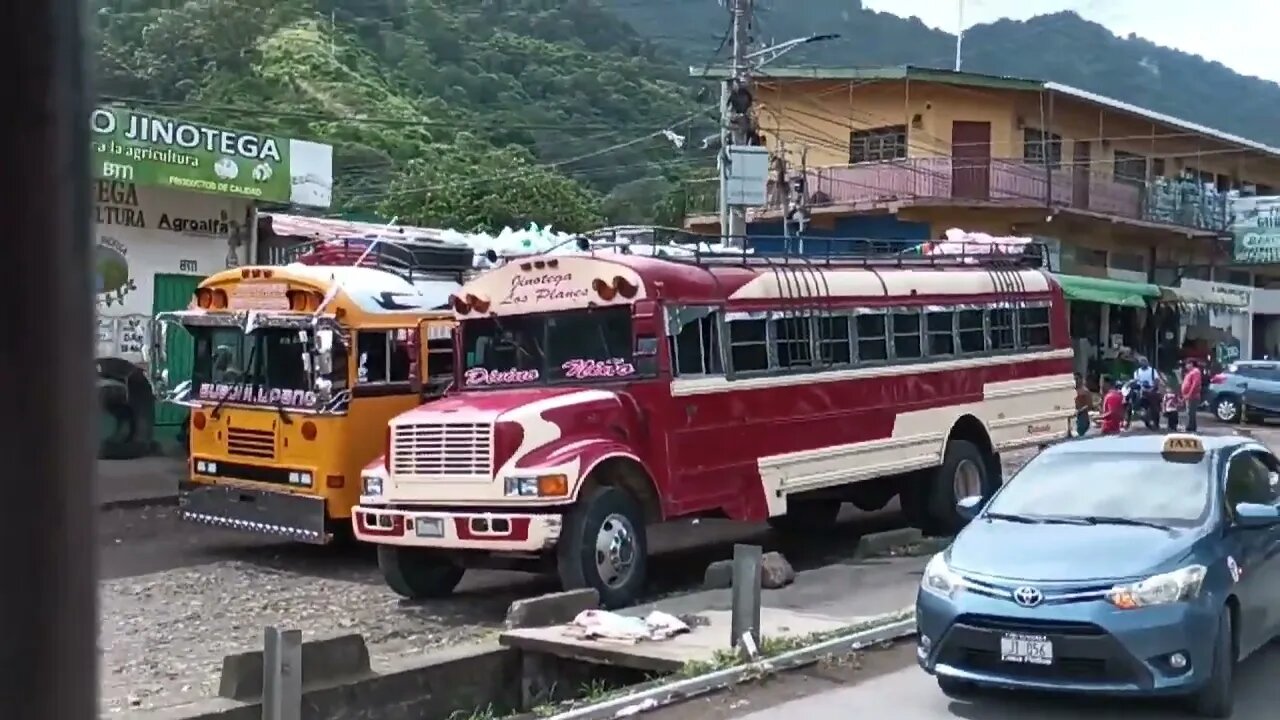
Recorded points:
1248,390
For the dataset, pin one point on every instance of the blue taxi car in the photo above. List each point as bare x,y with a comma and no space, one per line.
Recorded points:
1143,565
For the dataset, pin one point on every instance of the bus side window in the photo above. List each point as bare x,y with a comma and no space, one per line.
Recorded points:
695,348
383,356
439,365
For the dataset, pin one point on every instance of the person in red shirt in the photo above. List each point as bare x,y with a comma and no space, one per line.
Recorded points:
1191,381
1112,408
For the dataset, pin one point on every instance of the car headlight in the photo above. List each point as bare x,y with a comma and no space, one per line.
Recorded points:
1171,587
371,486
939,579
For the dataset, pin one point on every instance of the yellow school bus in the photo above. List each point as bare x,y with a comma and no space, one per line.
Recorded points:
295,371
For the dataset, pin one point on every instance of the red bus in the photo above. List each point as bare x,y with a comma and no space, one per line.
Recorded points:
599,393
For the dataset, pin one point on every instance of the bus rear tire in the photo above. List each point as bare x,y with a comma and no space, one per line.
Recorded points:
418,574
929,500
604,545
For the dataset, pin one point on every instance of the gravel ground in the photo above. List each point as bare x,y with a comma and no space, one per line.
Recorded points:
176,598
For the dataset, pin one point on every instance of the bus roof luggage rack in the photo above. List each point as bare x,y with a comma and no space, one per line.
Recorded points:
855,252
410,258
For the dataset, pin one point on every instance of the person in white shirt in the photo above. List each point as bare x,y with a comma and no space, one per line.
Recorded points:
1145,375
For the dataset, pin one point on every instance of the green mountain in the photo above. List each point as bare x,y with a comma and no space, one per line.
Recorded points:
1061,47
484,113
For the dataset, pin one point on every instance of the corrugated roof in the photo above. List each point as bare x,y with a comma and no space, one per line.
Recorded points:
995,82
329,229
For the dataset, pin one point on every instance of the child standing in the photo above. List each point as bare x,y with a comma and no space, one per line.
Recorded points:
1171,404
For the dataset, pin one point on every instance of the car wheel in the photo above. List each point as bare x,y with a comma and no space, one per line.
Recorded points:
418,574
956,689
1217,698
1226,409
604,546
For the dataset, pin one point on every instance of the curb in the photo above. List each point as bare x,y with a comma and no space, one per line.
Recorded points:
135,503
894,626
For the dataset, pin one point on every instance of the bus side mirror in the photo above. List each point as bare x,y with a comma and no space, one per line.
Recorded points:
157,356
324,351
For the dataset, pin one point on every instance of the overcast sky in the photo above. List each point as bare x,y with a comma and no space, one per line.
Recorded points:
1241,34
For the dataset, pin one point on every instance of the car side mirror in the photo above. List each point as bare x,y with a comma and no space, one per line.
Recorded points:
1257,515
969,507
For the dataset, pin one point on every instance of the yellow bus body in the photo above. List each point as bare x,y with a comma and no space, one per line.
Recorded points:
244,458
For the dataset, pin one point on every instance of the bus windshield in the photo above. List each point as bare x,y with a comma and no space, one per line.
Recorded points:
570,346
264,367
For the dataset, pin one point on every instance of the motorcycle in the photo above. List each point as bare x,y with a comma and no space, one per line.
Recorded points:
1144,402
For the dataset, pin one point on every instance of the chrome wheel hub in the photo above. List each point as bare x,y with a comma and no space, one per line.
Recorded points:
967,481
615,550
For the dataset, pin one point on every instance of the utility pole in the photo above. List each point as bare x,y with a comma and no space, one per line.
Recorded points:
959,32
736,123
733,119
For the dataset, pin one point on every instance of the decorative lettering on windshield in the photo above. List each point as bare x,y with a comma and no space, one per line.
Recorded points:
591,369
540,288
217,392
483,376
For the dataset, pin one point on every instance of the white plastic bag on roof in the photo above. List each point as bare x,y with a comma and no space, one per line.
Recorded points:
962,242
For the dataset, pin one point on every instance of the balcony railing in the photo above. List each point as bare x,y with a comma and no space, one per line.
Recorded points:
1013,183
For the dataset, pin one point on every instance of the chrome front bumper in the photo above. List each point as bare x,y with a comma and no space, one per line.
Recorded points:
293,517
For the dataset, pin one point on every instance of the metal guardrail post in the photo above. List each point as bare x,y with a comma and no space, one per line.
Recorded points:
746,596
282,674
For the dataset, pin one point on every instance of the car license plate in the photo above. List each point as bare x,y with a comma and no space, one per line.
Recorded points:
429,527
1027,649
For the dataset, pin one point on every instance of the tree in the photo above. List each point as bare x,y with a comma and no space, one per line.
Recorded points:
470,185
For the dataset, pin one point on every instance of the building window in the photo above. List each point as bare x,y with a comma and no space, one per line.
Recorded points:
1131,167
1039,146
878,144
1157,167
1127,261
873,344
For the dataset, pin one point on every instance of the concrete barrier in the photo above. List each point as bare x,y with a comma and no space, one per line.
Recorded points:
324,662
551,609
881,543
453,681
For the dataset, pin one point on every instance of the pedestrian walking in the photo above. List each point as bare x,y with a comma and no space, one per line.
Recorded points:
1191,392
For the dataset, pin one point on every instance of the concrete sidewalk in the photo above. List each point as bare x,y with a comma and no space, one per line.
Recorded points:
144,481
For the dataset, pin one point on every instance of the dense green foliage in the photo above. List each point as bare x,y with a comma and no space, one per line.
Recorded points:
482,113
1060,47
441,112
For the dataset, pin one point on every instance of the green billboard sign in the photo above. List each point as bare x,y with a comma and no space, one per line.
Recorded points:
151,150
1255,230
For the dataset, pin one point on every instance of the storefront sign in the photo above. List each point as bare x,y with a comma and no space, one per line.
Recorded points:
1255,230
132,146
218,392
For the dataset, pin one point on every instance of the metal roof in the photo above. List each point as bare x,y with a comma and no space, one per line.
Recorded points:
991,82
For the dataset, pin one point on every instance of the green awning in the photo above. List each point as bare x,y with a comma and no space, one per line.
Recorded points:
1106,290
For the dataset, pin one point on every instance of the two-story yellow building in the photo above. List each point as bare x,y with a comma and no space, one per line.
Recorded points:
1117,191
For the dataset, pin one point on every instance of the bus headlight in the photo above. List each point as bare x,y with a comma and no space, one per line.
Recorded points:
1163,589
300,478
371,486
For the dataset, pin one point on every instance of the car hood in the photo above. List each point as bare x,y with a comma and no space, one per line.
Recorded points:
1060,552
481,406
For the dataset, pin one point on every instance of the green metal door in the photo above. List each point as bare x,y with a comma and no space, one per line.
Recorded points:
173,292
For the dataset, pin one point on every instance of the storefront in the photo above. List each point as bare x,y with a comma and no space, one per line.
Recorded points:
174,202
1110,324
1216,321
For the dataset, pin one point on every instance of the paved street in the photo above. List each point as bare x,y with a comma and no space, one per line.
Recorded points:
904,692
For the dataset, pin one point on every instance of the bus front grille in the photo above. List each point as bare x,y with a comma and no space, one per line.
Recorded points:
442,450
251,443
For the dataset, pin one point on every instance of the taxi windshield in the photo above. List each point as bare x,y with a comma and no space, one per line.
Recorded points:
1126,486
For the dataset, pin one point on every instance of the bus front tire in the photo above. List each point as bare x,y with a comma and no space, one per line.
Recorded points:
604,545
418,574
929,498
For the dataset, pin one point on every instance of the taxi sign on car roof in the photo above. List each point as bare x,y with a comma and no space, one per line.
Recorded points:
1183,448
